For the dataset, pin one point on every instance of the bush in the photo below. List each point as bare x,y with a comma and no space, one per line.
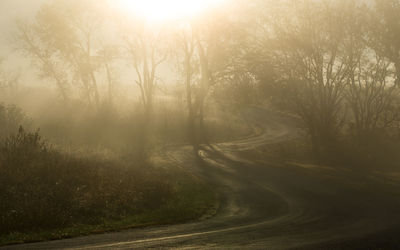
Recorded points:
11,117
41,188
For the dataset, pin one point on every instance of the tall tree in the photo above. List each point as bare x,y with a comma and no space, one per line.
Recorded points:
203,46
371,97
186,43
107,54
308,44
386,32
146,54
146,51
63,39
42,56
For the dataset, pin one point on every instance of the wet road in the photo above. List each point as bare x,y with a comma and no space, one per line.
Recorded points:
265,205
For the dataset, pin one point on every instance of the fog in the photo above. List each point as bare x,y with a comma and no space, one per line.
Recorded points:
124,114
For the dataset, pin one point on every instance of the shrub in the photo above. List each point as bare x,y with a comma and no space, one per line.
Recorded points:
11,117
41,188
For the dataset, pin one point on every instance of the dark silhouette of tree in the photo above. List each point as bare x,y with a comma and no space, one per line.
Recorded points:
186,43
307,44
385,37
371,97
372,90
204,47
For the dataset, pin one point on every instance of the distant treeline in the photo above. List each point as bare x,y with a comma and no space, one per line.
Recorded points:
334,64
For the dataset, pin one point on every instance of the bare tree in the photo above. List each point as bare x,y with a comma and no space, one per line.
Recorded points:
62,41
146,55
186,43
42,56
202,45
308,46
385,27
106,55
371,96
146,52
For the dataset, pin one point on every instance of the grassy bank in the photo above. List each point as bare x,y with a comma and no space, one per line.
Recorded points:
191,201
49,195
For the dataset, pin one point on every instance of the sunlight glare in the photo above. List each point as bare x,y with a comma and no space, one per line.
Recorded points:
162,10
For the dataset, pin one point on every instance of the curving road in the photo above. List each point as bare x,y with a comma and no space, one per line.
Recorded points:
265,205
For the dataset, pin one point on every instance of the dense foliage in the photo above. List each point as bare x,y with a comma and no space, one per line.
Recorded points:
42,188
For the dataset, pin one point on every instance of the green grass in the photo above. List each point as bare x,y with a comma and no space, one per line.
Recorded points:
191,201
49,195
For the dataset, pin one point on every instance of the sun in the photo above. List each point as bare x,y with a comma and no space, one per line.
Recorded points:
164,10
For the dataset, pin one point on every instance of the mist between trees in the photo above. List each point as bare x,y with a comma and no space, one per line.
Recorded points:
127,87
334,64
121,80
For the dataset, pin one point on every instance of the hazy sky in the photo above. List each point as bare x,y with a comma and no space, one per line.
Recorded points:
10,10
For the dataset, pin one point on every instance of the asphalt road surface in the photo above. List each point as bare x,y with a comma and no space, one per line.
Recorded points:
265,205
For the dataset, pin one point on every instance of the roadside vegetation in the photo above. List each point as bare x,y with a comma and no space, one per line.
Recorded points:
75,184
